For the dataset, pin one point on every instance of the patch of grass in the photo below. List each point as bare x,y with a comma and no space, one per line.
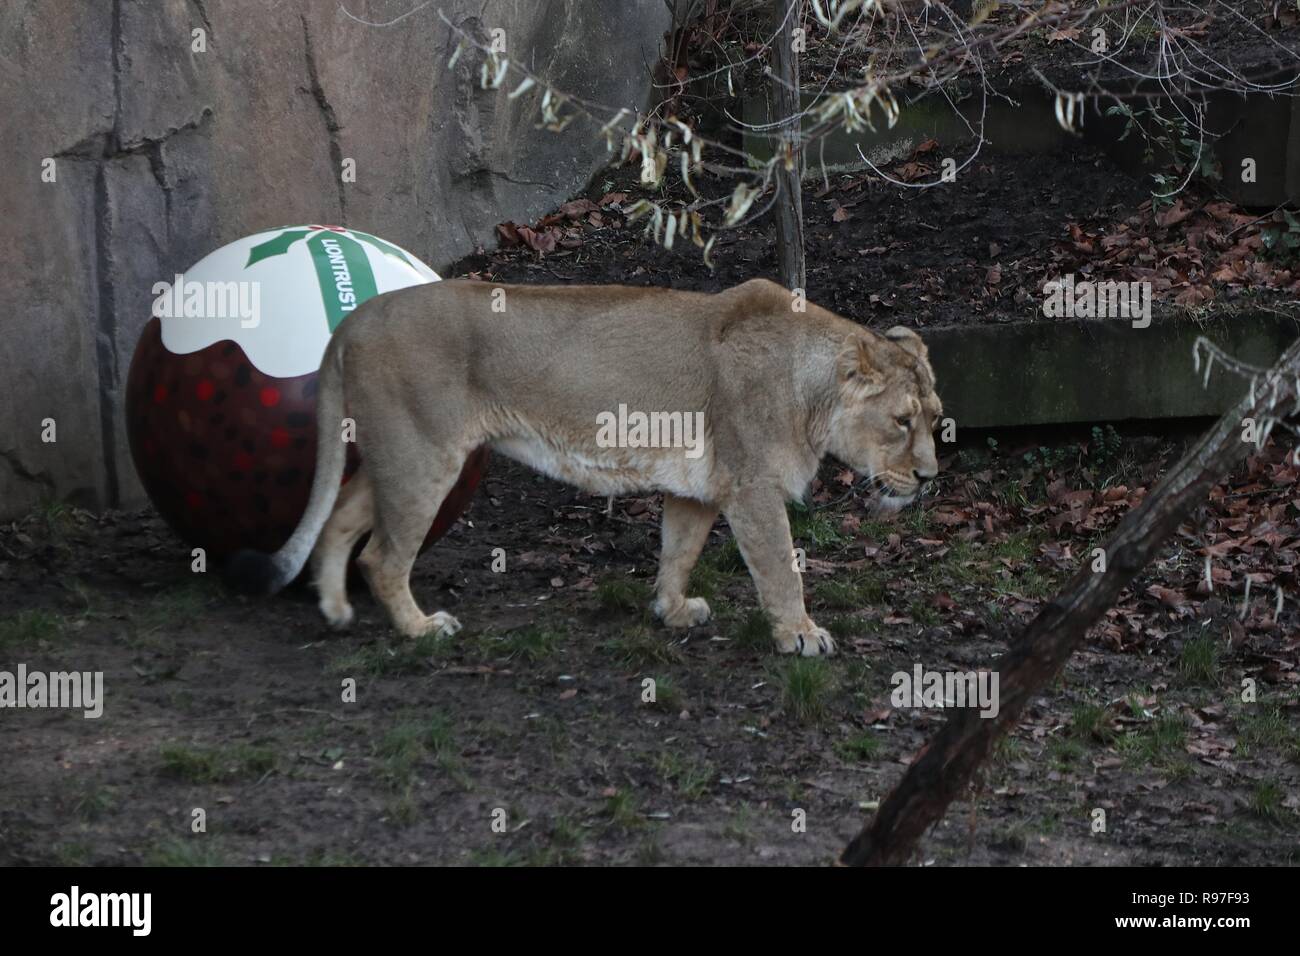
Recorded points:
1065,752
399,749
1264,727
923,613
57,517
198,850
964,563
815,529
402,808
844,626
203,765
1159,745
73,853
862,746
706,581
648,851
623,595
640,647
376,660
94,803
806,685
1008,750
1266,801
1089,722
440,739
689,777
726,559
30,627
494,857
667,696
566,838
175,608
621,811
1198,662
407,743
532,643
844,594
753,630
740,824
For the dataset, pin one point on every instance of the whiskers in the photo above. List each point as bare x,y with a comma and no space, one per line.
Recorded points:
881,496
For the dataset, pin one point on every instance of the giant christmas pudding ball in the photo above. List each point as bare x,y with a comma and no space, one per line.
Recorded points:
221,396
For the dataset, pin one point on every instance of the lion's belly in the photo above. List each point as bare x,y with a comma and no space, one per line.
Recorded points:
614,471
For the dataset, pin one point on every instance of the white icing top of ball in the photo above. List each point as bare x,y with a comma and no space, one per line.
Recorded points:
280,294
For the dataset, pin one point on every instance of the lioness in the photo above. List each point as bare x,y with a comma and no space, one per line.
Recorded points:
431,372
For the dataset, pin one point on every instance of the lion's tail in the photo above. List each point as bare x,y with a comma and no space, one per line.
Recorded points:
255,572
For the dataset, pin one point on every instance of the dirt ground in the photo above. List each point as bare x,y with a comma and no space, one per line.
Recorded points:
536,709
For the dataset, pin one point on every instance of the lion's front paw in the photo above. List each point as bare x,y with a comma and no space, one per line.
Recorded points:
439,624
691,612
807,641
338,613
443,624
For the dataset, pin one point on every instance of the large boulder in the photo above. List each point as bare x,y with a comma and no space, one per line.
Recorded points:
164,150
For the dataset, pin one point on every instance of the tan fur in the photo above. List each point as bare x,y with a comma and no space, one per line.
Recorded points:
432,372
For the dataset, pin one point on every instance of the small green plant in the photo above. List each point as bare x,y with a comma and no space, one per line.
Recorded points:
845,626
1106,446
814,529
1282,239
1044,458
861,746
94,803
216,764
1198,662
1159,745
850,593
726,559
621,811
1065,752
532,643
195,851
1263,726
407,657
667,696
753,630
1266,801
1171,139
689,777
1091,722
623,595
641,647
806,685
30,627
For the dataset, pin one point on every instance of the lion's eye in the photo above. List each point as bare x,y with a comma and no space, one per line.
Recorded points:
903,422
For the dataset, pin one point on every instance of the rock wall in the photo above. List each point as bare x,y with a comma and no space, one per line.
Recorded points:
162,152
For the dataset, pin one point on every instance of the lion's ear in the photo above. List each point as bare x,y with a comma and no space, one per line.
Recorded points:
857,364
908,341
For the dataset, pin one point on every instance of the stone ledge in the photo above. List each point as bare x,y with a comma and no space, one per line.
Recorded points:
1052,371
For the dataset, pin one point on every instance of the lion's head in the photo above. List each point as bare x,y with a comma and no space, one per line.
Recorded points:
883,424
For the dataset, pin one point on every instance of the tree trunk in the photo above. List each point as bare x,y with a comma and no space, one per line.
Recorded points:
785,103
946,765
